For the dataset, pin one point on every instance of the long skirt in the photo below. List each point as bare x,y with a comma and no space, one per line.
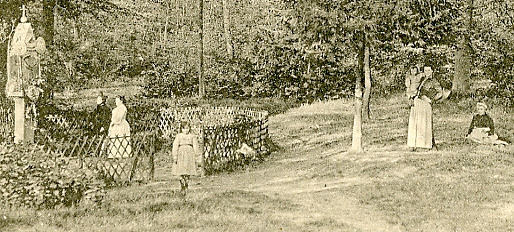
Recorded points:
185,164
420,125
120,147
119,140
480,135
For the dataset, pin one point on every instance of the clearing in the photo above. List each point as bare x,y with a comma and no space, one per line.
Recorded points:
311,182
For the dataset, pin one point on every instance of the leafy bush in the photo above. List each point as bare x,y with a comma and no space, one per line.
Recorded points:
165,81
501,74
502,89
31,177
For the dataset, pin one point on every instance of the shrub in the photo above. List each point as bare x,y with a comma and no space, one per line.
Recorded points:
165,81
31,177
502,88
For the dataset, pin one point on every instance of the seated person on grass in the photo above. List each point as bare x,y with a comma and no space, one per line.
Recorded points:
481,129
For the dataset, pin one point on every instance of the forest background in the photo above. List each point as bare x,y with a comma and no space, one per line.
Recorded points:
299,49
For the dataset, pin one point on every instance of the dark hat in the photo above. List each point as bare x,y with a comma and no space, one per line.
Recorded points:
101,94
121,97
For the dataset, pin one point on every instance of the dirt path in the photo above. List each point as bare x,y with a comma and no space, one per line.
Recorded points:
292,174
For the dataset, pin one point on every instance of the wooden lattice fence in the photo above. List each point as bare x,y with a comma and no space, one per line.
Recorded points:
70,134
6,123
58,126
65,123
120,159
222,132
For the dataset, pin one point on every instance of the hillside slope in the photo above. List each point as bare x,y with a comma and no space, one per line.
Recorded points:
311,182
460,187
314,140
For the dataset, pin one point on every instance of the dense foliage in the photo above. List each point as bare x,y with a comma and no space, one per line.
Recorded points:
32,177
282,48
494,43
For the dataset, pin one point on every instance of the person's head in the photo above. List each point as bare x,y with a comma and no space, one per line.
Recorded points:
427,69
481,108
420,63
101,98
413,70
185,127
120,100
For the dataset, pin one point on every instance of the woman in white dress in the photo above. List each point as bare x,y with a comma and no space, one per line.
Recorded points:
119,131
185,149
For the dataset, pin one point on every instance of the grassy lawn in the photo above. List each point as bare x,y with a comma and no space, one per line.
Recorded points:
313,184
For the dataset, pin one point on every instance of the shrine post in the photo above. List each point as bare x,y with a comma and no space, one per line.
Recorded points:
23,72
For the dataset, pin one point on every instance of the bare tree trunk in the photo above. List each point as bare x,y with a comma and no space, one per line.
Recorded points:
69,63
460,83
357,119
463,61
165,35
75,29
48,18
201,87
226,28
367,85
48,35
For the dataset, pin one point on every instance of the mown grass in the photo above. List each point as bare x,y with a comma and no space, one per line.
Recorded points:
309,183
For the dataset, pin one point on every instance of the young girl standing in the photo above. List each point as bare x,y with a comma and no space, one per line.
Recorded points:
185,148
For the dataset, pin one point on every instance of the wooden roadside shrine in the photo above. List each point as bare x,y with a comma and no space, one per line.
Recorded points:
23,74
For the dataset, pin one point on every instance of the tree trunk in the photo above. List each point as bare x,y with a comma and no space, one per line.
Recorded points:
367,85
75,29
357,119
165,34
201,87
460,83
48,35
226,28
463,61
48,19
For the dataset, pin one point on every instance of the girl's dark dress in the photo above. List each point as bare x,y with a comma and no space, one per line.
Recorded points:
482,121
481,130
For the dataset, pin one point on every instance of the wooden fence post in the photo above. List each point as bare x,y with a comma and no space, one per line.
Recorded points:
264,132
202,149
151,160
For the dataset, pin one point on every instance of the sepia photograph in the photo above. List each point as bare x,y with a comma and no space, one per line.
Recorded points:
257,115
